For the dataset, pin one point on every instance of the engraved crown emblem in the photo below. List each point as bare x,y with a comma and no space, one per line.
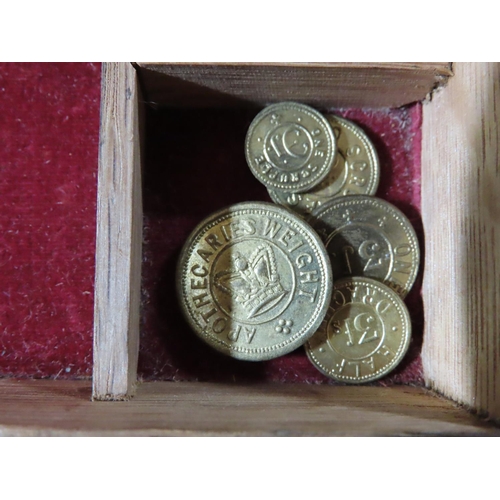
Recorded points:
254,283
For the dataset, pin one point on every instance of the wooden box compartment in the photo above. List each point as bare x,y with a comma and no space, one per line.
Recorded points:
461,345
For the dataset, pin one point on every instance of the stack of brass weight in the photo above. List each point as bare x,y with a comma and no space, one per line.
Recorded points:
326,266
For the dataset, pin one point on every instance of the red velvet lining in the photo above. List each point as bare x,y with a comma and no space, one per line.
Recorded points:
49,125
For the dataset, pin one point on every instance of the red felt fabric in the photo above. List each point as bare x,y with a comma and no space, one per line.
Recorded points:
49,124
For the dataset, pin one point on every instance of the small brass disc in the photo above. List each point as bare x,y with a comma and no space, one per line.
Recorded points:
365,334
356,171
254,281
290,147
367,236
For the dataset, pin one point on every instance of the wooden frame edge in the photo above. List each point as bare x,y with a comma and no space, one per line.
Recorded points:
461,216
119,236
63,408
323,85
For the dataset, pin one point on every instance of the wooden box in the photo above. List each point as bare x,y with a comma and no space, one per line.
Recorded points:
461,350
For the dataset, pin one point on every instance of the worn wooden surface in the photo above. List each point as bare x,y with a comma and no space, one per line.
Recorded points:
322,85
43,407
119,236
461,215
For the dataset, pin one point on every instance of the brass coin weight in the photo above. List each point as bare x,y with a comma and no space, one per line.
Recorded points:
356,171
254,281
365,334
367,236
290,147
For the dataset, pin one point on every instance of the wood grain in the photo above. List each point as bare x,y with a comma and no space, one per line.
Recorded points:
119,236
323,85
55,408
461,215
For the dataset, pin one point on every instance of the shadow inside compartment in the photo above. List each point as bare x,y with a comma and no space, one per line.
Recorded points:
195,165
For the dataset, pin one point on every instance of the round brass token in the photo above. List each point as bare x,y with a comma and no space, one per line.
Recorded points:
254,281
290,147
365,334
356,171
367,236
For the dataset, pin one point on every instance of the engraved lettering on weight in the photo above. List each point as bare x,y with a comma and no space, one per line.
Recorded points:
199,284
356,366
346,251
402,250
299,244
291,141
201,300
399,265
248,334
213,241
369,251
309,276
340,367
385,351
219,325
402,267
358,181
370,362
286,236
380,306
271,228
311,295
383,306
200,271
364,323
293,199
368,297
206,316
303,260
237,228
311,205
204,254
288,146
354,290
337,325
353,150
358,165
